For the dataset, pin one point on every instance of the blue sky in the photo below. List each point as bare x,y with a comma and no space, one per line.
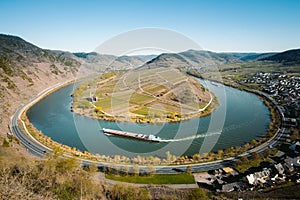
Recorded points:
217,25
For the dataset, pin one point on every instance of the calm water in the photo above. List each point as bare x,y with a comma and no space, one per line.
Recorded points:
240,118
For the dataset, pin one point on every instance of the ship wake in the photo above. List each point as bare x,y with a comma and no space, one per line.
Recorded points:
191,137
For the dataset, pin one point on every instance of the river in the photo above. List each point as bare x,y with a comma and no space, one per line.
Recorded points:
241,117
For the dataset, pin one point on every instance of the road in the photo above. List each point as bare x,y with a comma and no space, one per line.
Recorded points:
38,149
32,146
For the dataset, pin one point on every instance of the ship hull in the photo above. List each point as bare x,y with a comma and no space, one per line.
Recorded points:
136,136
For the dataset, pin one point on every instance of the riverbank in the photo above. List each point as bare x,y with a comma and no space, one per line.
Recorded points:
209,109
227,153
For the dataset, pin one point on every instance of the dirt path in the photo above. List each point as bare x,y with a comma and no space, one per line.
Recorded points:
101,176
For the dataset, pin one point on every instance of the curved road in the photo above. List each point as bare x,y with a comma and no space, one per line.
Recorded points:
38,149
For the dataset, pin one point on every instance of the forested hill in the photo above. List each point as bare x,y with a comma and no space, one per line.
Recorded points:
290,57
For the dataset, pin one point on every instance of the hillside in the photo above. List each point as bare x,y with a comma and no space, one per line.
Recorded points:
25,70
290,57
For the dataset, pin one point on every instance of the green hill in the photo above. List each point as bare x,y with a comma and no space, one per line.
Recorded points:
290,57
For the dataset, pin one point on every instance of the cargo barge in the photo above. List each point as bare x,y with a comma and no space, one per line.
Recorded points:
149,138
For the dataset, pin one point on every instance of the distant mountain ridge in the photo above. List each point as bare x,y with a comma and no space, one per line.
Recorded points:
103,61
251,56
191,58
198,58
290,57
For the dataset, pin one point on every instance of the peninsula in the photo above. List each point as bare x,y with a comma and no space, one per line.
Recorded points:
143,96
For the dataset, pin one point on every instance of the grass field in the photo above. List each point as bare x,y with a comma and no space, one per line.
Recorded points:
182,178
242,168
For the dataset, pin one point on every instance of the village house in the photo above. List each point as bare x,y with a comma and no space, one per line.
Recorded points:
279,169
259,177
288,165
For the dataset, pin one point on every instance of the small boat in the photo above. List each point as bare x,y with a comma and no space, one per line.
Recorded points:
138,136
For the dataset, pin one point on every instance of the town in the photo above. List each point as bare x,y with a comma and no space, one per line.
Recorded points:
282,167
281,87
